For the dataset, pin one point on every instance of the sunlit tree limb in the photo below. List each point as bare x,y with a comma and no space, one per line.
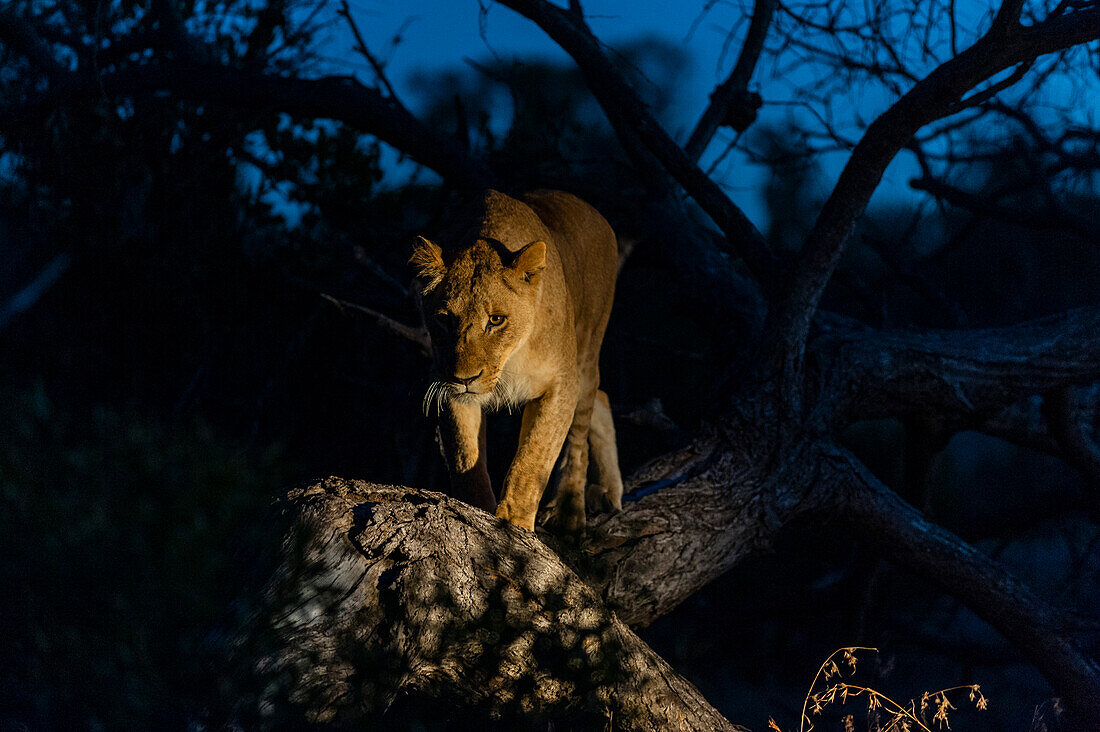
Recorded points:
383,590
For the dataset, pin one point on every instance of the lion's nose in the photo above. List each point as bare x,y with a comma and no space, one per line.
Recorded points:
468,381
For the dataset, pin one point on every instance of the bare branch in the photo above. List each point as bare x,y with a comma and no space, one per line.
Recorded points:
25,299
364,51
1007,17
1042,633
339,98
629,116
416,336
983,96
378,271
936,96
733,91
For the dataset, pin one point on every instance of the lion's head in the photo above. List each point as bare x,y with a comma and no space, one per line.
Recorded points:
479,304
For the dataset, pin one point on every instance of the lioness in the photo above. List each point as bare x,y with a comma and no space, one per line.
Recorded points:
516,309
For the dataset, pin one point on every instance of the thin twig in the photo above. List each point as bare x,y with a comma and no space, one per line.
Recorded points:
732,90
418,336
361,47
25,299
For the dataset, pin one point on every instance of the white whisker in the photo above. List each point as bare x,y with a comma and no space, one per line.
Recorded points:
439,395
432,398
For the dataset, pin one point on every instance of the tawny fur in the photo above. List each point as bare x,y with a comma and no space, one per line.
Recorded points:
517,309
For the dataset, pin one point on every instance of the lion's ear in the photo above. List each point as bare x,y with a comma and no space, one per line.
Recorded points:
427,263
530,260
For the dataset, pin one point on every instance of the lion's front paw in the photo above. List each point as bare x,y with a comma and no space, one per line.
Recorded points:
508,512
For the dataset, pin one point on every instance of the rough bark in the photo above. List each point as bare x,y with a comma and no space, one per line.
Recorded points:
384,590
962,376
692,515
711,505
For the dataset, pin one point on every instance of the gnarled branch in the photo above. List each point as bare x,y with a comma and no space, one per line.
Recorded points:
1042,633
417,336
339,98
962,376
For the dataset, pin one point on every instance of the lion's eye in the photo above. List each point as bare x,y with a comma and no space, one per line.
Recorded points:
497,320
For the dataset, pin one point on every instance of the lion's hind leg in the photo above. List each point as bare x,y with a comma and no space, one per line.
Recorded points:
566,513
605,489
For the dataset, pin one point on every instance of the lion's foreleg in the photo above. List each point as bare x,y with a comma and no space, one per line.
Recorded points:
546,422
462,439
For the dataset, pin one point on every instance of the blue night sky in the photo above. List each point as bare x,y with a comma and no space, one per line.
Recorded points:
442,33
438,35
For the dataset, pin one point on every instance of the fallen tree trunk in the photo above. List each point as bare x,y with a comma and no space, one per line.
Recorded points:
382,591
